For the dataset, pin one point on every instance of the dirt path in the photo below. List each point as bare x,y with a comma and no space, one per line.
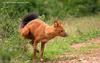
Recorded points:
93,56
93,40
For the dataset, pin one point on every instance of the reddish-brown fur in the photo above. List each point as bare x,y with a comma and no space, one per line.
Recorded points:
39,31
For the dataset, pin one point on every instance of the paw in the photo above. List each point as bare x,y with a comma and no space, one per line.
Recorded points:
41,61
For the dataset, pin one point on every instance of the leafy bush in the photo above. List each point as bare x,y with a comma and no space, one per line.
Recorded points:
50,8
81,7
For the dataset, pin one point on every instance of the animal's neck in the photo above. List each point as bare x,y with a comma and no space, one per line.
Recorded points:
50,32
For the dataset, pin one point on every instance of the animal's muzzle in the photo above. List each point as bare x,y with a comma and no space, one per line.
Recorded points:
65,34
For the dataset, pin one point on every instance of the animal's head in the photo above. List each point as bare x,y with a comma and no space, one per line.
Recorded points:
59,30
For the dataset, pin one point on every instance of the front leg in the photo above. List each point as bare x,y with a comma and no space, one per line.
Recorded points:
42,50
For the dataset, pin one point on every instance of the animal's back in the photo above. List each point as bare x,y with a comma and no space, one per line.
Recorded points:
36,26
32,26
36,23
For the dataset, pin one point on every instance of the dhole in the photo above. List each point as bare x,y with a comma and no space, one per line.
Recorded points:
38,31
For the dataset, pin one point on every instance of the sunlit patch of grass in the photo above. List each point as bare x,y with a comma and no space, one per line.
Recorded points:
74,53
57,46
85,49
88,47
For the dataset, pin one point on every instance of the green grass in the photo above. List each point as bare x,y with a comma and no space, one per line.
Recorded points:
15,49
74,53
88,47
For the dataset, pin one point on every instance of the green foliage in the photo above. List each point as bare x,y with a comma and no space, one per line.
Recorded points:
12,45
50,8
81,7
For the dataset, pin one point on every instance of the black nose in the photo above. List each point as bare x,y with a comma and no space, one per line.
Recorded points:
65,34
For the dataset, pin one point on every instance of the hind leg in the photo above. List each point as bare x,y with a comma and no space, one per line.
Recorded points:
32,43
35,50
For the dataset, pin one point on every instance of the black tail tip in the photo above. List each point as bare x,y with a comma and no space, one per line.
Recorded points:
30,16
27,18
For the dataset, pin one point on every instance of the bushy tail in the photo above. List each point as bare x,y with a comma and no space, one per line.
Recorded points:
27,18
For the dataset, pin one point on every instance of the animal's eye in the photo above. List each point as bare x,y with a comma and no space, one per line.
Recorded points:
61,31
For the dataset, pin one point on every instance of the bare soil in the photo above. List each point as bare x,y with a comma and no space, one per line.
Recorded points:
93,56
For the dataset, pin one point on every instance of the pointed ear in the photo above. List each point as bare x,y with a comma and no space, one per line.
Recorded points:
56,23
